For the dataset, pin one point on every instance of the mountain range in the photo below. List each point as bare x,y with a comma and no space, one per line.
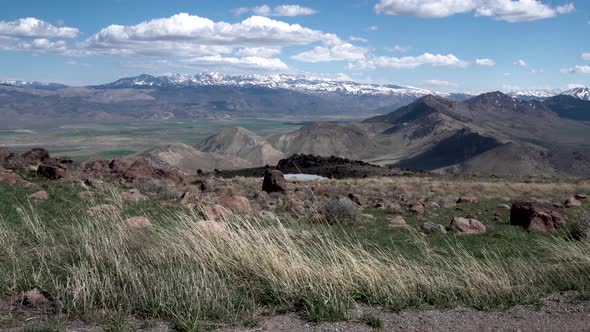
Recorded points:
490,134
208,96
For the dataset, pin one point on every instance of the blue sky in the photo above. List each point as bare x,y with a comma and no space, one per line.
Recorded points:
447,45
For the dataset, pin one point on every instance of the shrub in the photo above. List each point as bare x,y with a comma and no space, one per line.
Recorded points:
342,210
580,229
373,321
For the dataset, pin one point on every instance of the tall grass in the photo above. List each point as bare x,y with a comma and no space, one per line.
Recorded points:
199,273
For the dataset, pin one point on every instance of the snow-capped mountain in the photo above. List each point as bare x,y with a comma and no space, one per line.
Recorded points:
580,93
33,84
305,84
534,94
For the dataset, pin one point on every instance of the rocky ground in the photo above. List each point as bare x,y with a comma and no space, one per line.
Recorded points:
408,216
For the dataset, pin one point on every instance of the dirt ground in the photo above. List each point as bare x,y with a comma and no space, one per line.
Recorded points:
559,312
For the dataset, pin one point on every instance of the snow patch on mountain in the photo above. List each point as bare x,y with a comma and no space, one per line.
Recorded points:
306,84
580,93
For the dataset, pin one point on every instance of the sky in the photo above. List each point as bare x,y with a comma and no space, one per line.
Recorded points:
446,45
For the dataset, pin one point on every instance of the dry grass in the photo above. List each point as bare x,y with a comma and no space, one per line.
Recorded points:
200,273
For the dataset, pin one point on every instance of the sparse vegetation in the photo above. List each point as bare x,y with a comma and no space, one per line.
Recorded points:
373,321
200,274
342,210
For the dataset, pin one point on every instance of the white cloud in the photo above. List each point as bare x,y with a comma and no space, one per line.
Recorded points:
537,71
485,62
373,28
504,10
585,56
265,52
424,8
357,39
576,70
507,74
282,10
399,48
410,62
521,63
339,52
257,63
34,28
185,34
440,83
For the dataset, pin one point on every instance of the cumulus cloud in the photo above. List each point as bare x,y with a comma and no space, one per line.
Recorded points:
265,52
34,28
282,10
410,62
399,48
485,62
521,63
585,56
504,10
440,83
339,52
252,62
373,28
185,34
576,70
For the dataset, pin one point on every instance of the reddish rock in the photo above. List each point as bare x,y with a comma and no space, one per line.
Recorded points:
397,221
51,172
539,216
357,199
461,225
39,196
35,298
5,154
118,166
35,156
139,169
96,168
236,203
215,212
274,181
417,208
572,202
9,177
133,196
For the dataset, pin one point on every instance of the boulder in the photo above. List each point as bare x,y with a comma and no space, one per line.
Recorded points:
52,172
133,196
9,177
397,221
137,222
572,202
388,206
430,228
139,169
35,156
539,216
268,215
118,166
581,196
35,298
104,209
96,168
274,181
236,204
39,196
417,208
215,212
357,199
5,154
467,199
461,225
